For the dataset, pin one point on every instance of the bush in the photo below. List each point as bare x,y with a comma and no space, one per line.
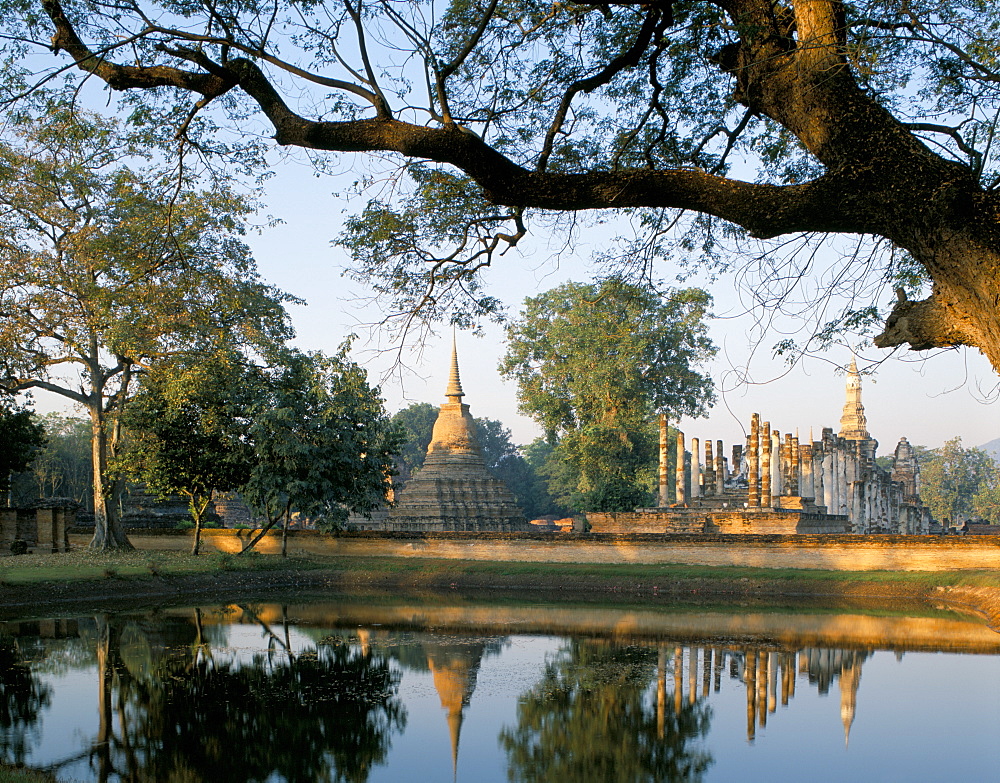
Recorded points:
18,547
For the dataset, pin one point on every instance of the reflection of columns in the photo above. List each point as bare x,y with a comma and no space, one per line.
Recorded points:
679,471
695,469
664,499
765,465
753,492
706,672
692,675
661,691
750,678
678,680
772,681
762,681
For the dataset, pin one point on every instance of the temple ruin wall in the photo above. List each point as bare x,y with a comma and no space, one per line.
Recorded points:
831,552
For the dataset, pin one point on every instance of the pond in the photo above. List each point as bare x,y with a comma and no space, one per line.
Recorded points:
377,688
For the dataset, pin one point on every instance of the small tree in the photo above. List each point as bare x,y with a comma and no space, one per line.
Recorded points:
593,364
189,429
957,483
21,438
323,443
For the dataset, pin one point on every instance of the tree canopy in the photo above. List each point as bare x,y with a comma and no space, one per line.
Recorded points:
593,364
322,442
960,483
21,439
189,428
708,120
105,268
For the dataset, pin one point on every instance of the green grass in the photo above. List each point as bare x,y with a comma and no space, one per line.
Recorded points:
86,565
666,572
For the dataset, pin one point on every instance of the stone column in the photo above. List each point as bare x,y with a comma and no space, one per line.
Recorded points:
794,467
753,491
737,463
807,489
721,474
695,469
776,477
838,473
844,500
679,471
828,481
710,473
664,499
765,465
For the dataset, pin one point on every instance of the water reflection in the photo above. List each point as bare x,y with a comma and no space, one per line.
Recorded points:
308,693
589,719
171,708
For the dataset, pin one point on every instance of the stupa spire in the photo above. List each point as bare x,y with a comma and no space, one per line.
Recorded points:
454,391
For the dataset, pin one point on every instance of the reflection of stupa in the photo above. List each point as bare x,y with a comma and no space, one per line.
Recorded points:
455,670
454,490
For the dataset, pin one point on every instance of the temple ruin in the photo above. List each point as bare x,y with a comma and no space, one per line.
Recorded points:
453,490
773,483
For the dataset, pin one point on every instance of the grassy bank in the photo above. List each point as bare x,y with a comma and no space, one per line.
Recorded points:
79,573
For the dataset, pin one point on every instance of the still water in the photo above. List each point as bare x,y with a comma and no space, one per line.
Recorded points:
368,689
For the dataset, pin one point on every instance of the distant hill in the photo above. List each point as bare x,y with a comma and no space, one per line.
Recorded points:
992,448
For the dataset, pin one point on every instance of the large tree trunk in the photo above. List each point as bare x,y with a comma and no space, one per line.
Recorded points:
108,531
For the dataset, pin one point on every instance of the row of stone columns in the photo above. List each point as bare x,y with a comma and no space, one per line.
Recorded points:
693,479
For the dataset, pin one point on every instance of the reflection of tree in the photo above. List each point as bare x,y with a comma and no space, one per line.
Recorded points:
590,719
22,697
169,710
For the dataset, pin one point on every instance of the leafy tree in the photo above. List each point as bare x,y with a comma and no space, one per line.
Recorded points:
62,467
21,438
322,442
104,268
807,117
957,483
416,425
189,429
593,363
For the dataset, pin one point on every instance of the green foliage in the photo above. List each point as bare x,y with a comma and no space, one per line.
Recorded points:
590,90
322,442
105,268
62,466
958,483
21,439
416,425
190,425
594,364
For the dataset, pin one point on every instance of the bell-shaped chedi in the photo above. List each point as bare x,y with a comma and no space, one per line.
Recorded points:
454,490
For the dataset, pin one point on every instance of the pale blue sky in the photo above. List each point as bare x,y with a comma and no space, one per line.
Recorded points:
927,401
